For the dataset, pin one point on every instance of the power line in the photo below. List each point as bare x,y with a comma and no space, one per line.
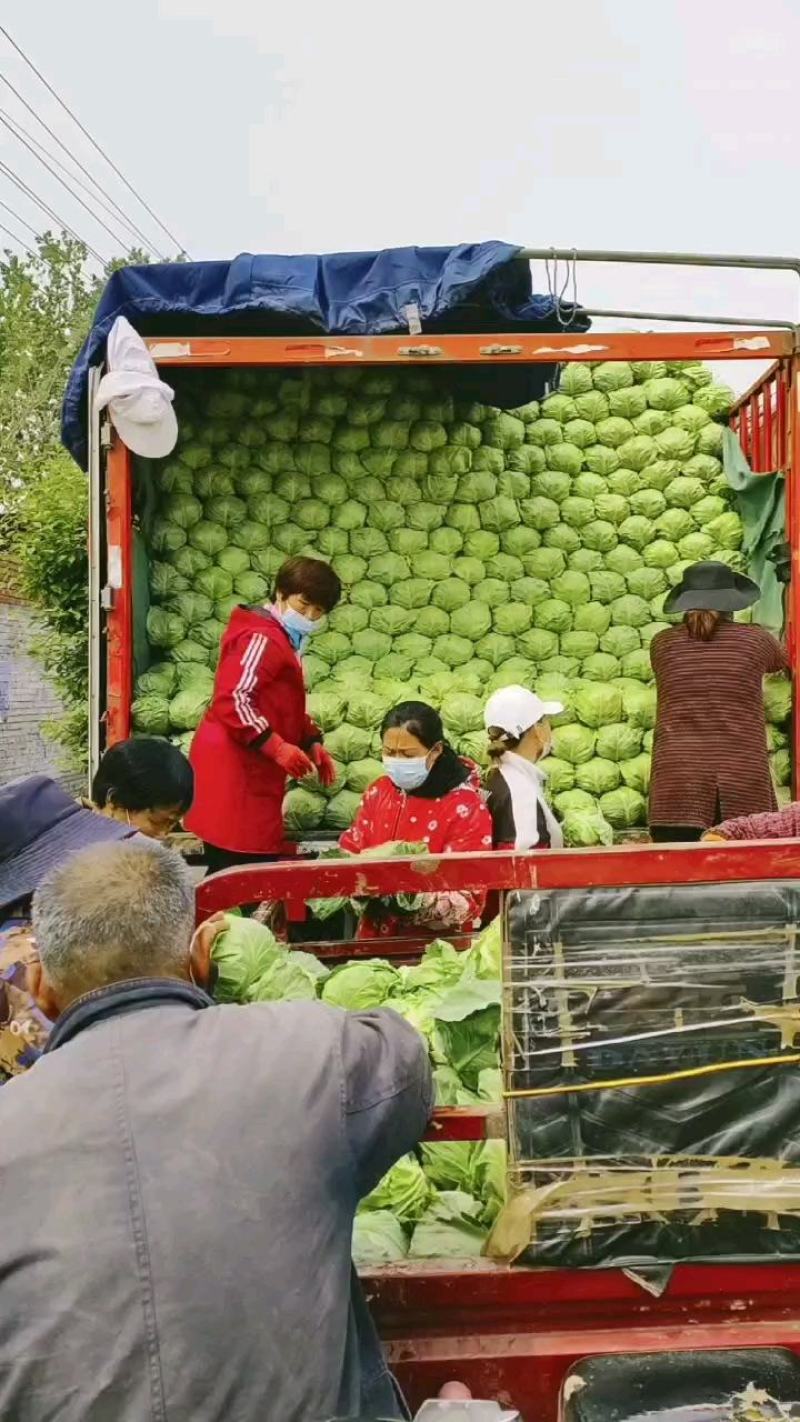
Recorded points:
17,239
74,159
52,171
20,220
54,217
92,140
111,206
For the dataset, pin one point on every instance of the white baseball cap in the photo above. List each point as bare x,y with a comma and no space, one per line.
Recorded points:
515,710
139,403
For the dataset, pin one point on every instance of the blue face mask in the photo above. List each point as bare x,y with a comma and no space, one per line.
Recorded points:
407,774
298,627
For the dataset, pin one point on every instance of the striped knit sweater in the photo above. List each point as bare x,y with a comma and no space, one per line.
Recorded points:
710,759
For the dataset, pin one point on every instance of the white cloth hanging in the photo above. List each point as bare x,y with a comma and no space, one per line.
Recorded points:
526,783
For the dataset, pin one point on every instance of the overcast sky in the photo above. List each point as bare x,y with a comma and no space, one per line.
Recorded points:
254,126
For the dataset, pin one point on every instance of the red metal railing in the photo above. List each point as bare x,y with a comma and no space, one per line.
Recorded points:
627,866
761,418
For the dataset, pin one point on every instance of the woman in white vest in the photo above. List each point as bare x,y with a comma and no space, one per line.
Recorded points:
519,734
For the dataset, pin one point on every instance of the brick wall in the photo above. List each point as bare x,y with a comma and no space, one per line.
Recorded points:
27,700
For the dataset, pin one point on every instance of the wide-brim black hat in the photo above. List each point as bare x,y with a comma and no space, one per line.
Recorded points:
41,826
712,587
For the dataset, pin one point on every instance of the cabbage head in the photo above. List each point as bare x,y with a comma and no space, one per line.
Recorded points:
462,713
164,629
636,773
597,705
361,985
777,699
598,776
241,954
572,588
186,710
600,666
585,828
160,678
347,743
574,744
624,807
504,432
593,617
640,707
575,379
150,712
553,615
618,741
378,1239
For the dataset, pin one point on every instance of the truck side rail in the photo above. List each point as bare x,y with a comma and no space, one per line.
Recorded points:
503,871
760,417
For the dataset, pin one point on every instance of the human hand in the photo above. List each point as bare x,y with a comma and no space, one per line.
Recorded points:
290,758
326,765
712,837
208,932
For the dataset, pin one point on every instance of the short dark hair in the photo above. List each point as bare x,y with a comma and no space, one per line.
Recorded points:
418,718
144,774
311,577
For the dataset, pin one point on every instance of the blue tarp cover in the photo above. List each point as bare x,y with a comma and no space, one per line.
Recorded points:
472,288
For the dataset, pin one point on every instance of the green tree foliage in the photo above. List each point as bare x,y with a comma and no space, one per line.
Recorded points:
52,511
46,307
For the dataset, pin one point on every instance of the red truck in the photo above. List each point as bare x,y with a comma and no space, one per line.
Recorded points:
512,1333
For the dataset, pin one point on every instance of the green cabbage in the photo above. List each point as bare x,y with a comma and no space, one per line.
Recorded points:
574,744
359,986
623,807
378,1239
597,705
584,828
241,954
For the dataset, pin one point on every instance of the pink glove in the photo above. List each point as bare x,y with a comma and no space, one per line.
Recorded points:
326,765
290,758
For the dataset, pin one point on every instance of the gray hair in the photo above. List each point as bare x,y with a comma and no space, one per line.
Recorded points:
114,912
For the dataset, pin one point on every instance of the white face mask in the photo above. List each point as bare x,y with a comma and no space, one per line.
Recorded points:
407,773
298,626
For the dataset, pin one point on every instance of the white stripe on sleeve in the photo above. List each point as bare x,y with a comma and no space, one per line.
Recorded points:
242,694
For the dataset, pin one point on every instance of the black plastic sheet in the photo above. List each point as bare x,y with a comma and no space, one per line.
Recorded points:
621,986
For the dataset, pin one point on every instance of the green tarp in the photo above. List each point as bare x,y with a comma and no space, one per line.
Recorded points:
761,501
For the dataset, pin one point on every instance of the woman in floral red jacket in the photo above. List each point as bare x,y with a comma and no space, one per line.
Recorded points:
430,796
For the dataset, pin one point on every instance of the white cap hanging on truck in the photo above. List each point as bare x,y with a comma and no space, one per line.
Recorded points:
139,403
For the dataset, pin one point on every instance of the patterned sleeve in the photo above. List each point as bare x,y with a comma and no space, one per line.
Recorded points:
360,835
778,824
470,831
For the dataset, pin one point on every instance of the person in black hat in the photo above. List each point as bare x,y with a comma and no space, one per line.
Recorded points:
710,760
40,826
142,786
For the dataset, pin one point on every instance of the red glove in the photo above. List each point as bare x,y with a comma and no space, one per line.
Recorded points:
325,763
290,758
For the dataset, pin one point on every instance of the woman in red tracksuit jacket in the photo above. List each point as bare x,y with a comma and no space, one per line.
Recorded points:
428,795
257,732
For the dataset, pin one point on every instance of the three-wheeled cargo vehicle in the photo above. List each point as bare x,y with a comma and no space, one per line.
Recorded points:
650,1012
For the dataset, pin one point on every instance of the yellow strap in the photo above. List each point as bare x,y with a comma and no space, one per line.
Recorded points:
531,1092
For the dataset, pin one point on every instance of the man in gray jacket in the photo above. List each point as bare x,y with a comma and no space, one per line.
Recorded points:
178,1180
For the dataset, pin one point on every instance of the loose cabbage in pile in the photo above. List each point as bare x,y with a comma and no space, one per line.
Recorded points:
477,548
442,1202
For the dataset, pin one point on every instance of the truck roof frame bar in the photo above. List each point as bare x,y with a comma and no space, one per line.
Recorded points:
683,317
734,261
